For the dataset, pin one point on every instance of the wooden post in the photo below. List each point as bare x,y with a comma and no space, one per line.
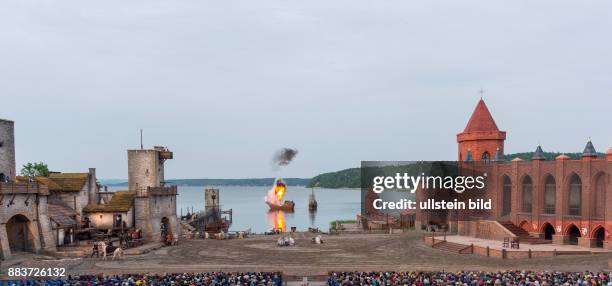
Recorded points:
388,225
433,239
529,253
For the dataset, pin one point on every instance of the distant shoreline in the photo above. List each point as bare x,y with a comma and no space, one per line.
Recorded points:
125,185
251,182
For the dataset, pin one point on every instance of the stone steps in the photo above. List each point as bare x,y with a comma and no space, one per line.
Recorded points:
523,235
450,246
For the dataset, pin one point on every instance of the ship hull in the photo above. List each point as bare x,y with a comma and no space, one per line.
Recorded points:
312,206
287,206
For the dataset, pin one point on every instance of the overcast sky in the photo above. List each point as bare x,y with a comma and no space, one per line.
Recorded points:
226,83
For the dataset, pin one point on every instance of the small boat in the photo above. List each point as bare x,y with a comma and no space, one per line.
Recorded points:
287,206
312,202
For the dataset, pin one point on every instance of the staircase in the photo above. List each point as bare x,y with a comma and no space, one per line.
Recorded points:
453,247
523,235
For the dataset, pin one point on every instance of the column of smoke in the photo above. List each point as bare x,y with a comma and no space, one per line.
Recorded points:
282,157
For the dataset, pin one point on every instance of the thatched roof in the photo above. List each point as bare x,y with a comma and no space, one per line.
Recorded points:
70,181
53,186
61,214
121,201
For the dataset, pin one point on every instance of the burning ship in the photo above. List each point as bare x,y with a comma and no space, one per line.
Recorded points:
275,198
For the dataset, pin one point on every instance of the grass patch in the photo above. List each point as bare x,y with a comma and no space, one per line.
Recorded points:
332,224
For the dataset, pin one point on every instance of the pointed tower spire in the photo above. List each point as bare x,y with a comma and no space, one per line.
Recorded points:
538,154
481,136
589,150
481,119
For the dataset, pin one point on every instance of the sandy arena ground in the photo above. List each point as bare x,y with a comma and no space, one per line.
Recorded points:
354,252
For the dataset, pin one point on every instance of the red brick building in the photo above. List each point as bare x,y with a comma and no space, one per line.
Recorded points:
563,201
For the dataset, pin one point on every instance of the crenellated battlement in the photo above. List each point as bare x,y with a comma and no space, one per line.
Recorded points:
23,188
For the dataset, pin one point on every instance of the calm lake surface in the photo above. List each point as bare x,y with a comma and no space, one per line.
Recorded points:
250,210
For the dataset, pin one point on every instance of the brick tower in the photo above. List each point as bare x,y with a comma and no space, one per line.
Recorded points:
481,140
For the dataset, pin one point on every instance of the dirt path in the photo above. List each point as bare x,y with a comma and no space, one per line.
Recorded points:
363,252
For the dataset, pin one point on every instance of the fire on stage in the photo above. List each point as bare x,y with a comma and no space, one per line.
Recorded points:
274,199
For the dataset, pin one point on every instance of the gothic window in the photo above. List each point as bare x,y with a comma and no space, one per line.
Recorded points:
507,195
600,197
575,193
527,194
550,195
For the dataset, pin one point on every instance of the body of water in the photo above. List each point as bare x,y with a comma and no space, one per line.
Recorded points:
250,210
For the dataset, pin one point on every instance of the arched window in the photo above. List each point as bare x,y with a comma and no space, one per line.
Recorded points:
486,157
507,196
527,194
575,195
550,195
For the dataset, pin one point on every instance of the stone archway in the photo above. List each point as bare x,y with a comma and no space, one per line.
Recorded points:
19,232
548,231
573,233
599,234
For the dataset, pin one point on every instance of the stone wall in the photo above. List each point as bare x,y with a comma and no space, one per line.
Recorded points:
23,207
142,216
150,211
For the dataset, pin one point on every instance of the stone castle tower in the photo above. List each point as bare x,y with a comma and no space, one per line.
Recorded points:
481,140
155,203
146,167
7,150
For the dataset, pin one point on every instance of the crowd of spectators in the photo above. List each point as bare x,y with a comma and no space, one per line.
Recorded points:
196,279
521,278
505,278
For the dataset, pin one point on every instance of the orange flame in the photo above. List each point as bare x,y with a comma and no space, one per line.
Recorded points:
279,190
280,221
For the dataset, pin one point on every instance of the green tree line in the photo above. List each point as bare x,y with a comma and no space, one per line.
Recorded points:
350,178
